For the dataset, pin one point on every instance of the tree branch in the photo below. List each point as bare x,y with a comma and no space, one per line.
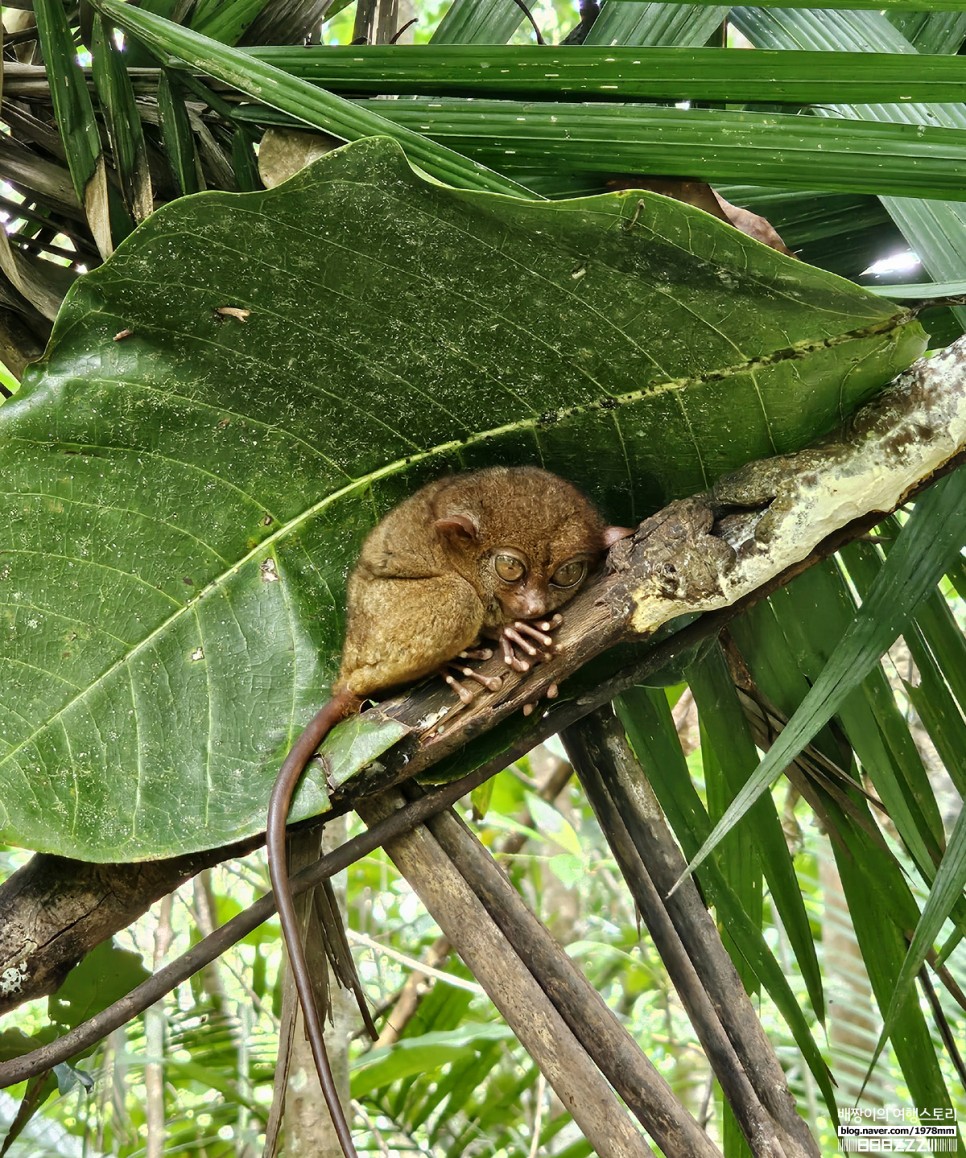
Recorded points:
686,938
613,1051
427,862
715,552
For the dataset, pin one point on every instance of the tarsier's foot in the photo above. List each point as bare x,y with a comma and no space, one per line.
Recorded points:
531,638
491,683
550,694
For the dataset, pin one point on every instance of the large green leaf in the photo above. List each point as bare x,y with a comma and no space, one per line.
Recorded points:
181,505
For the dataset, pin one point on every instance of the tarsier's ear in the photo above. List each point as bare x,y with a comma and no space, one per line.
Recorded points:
612,535
457,528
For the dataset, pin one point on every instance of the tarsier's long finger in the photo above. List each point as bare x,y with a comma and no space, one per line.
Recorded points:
491,683
550,624
537,631
521,641
510,657
476,653
463,692
550,694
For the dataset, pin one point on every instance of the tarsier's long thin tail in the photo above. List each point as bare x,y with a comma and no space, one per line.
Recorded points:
342,704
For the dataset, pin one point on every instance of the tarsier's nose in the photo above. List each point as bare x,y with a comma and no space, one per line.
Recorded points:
526,604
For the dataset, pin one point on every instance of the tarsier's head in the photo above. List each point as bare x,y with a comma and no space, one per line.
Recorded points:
525,539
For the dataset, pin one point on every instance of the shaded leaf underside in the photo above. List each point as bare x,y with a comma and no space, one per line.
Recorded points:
181,505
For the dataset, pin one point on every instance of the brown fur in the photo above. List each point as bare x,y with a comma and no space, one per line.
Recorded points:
425,587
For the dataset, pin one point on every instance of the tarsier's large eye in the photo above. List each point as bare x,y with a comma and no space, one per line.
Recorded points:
509,568
569,574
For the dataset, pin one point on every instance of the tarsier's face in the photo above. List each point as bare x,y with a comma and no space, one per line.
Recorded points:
522,588
525,539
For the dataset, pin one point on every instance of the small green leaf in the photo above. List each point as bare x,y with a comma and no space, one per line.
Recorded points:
931,32
354,744
568,869
779,149
179,140
103,975
300,100
417,1055
944,896
921,291
74,111
657,23
588,72
227,22
116,95
243,161
725,726
869,716
482,797
478,22
552,825
883,944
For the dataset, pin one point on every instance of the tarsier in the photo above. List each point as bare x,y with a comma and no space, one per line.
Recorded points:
488,555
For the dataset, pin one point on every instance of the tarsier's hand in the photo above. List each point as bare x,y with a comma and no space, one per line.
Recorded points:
526,642
528,540
523,643
531,638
